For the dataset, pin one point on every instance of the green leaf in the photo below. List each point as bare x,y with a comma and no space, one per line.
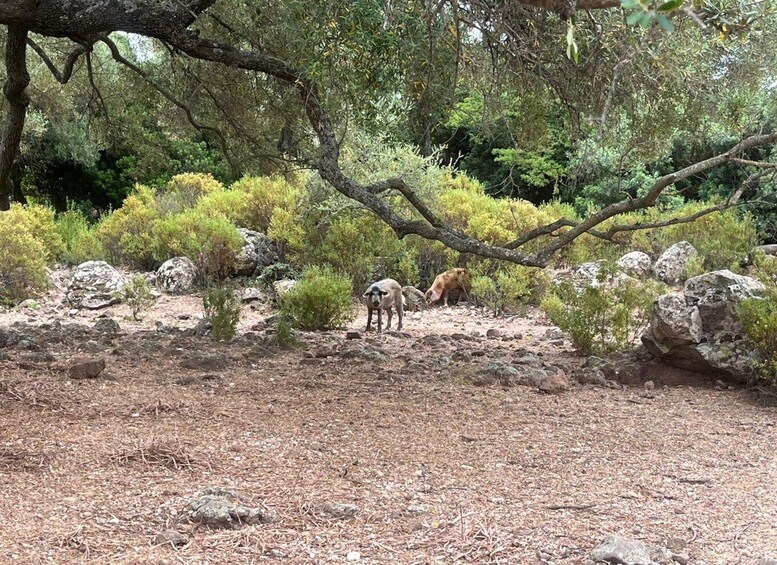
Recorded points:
646,20
669,5
664,22
634,17
629,4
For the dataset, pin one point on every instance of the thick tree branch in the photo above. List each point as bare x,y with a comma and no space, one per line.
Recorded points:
64,75
15,91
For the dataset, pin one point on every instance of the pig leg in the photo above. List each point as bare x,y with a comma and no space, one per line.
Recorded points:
369,319
388,322
380,320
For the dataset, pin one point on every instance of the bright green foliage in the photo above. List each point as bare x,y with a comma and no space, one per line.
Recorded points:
127,233
211,242
80,239
184,190
222,310
321,300
264,196
136,293
22,260
759,318
765,268
284,334
39,221
604,318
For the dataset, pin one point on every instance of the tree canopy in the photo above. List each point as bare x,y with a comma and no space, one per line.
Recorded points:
536,96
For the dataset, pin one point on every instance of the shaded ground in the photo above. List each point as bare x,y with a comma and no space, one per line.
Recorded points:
441,471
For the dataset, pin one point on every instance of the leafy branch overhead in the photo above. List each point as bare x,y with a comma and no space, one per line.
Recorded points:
368,47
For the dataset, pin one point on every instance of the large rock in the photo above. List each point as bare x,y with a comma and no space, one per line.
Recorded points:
636,264
177,275
671,266
282,286
699,330
592,274
94,285
258,252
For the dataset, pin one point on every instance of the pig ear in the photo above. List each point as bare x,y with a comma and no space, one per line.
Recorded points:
367,293
384,292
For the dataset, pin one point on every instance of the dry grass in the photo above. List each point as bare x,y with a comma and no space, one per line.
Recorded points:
441,471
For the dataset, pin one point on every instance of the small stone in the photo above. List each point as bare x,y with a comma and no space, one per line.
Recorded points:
173,537
554,333
86,368
340,510
493,332
107,326
554,384
649,385
353,556
353,335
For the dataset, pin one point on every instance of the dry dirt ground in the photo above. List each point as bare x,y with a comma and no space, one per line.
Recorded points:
440,471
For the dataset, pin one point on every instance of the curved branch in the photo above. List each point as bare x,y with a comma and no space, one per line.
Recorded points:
170,97
64,75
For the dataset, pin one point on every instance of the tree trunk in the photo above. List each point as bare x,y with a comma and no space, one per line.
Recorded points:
15,92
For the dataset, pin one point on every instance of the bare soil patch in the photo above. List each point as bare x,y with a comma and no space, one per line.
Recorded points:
419,465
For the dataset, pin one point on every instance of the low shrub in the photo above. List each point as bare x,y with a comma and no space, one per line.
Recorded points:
263,197
23,261
81,242
137,294
211,242
183,192
277,272
284,336
506,289
127,233
604,318
39,221
321,300
222,309
759,319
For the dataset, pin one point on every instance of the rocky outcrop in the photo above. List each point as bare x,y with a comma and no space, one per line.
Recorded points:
636,264
258,252
177,275
94,285
414,299
699,329
671,266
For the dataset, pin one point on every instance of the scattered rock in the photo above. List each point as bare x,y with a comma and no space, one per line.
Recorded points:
591,376
86,368
554,333
493,332
107,326
767,561
253,294
554,384
353,556
623,551
414,299
700,330
221,508
173,537
636,264
670,267
258,252
29,304
283,286
177,275
649,385
94,285
340,510
353,334
205,362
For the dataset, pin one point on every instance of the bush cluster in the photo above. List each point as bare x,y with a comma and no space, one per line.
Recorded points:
321,300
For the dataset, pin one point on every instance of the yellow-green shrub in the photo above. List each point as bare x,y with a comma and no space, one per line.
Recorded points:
127,233
211,242
321,300
39,221
759,319
507,287
263,197
81,242
22,260
183,192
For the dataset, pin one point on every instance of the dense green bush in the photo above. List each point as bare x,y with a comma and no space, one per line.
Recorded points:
222,310
22,260
80,239
127,233
321,300
183,192
604,318
39,221
506,289
211,242
759,318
